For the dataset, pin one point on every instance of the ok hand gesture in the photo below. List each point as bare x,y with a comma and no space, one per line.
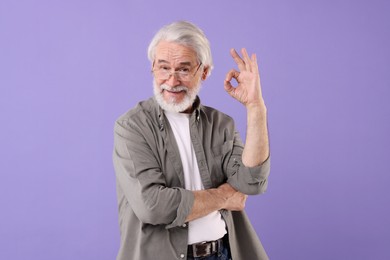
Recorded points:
248,90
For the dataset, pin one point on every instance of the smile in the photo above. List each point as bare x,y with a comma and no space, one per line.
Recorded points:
175,91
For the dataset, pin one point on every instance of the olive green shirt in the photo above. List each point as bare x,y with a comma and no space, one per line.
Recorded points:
153,203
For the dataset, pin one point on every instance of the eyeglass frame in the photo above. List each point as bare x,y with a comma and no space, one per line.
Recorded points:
169,74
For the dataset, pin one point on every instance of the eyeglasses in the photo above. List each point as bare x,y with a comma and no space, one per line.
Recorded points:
184,74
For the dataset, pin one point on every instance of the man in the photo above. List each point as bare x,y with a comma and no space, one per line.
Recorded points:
182,170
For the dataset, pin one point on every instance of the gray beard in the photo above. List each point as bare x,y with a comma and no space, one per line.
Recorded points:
171,105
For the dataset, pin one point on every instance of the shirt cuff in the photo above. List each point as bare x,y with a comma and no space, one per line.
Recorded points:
249,180
184,209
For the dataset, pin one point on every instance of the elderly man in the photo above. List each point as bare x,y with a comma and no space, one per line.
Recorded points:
182,170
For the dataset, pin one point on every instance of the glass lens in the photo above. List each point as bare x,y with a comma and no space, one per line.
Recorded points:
165,74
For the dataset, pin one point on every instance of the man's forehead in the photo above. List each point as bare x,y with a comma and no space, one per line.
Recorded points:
167,52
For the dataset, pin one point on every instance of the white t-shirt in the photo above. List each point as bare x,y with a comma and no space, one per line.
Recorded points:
212,226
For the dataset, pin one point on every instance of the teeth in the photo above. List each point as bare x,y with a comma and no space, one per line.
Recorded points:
174,90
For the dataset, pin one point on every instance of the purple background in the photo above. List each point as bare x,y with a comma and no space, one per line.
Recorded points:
68,69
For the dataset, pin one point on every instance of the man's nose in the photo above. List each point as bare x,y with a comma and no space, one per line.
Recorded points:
172,80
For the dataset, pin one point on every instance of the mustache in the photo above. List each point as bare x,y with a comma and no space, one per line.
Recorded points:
173,89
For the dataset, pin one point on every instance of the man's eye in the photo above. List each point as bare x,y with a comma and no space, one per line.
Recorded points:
185,70
164,69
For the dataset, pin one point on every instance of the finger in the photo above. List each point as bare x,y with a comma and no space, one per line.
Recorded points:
247,60
227,187
232,74
240,62
227,85
255,66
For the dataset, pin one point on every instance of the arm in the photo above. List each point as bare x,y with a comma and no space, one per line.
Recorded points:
223,197
248,165
141,181
248,92
143,185
256,149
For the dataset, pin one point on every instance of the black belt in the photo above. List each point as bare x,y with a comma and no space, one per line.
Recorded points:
204,248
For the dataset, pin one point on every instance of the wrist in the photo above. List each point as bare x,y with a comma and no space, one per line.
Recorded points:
219,197
256,107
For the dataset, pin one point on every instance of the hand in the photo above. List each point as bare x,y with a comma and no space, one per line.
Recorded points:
248,90
233,200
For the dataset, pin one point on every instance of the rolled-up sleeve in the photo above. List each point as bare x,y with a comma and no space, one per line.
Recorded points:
142,182
248,180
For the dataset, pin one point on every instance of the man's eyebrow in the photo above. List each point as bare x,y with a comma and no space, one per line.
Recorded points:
162,61
185,63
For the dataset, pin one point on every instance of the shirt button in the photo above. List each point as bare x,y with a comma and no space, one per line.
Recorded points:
182,256
184,225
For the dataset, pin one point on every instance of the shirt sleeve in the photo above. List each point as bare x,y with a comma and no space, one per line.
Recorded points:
248,180
142,181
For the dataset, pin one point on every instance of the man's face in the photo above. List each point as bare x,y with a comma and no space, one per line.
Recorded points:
174,92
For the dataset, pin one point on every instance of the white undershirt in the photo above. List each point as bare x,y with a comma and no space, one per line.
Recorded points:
212,226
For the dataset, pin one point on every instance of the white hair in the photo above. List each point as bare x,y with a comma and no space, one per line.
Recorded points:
187,34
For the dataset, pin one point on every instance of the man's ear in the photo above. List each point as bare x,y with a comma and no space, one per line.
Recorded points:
205,72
